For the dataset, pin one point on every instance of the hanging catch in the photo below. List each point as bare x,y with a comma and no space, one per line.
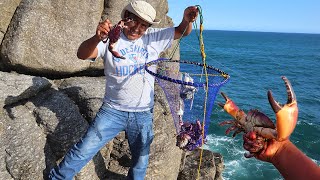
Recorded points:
114,36
187,92
190,136
257,125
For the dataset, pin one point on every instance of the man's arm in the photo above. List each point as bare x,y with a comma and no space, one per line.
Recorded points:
290,161
294,164
88,49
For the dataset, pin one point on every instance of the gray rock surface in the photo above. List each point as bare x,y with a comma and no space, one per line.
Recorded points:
43,36
25,145
86,92
7,8
59,118
210,168
46,104
17,87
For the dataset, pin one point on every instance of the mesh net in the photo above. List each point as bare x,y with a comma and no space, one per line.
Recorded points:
185,86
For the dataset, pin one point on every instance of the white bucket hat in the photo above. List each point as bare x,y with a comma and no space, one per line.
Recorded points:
143,10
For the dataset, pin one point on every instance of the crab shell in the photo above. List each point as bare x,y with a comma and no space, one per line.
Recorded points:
114,34
256,121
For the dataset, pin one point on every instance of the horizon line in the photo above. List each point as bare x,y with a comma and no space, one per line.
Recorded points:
311,33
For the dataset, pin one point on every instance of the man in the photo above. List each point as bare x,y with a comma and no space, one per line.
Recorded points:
128,101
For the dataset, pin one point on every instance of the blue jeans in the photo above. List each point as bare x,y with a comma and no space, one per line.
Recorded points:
106,125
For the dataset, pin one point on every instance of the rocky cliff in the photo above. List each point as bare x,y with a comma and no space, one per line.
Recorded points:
48,96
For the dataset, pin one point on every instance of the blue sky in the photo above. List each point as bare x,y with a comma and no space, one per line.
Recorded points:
301,16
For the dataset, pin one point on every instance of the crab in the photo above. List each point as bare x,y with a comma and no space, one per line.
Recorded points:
260,127
114,36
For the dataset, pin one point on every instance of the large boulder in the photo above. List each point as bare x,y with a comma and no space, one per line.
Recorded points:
60,120
7,9
211,166
46,104
86,92
25,152
43,36
17,87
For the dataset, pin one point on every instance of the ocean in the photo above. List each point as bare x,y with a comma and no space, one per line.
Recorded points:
255,62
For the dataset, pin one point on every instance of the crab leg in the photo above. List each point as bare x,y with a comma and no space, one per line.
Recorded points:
230,107
253,121
287,114
115,53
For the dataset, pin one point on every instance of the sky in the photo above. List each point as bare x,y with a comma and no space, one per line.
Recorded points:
293,16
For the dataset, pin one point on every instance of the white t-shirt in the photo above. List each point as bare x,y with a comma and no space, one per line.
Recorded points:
128,86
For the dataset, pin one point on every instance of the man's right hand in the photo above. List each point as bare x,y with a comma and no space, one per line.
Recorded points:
88,48
271,148
103,29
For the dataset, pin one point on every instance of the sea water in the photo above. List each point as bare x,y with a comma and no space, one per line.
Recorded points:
255,62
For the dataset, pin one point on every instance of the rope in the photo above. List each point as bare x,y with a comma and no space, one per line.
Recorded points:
177,45
205,72
200,38
203,54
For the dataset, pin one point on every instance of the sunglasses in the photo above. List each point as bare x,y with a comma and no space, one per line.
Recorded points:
135,21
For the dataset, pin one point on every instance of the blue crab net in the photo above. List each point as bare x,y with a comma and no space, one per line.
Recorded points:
184,84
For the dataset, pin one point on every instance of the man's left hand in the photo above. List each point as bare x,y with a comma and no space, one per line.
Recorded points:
190,14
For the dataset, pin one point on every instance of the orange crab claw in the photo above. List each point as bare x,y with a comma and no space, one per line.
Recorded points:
230,107
287,114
